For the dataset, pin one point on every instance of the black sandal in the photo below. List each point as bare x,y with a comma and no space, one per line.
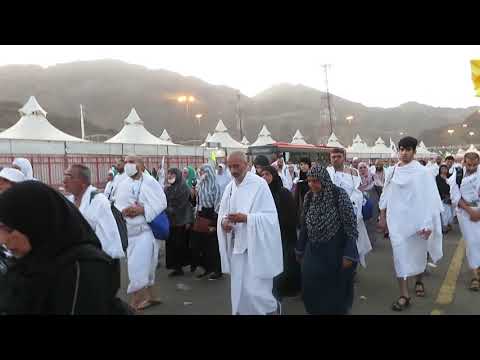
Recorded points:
419,292
397,306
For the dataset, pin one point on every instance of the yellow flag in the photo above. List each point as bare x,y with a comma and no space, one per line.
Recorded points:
476,75
213,156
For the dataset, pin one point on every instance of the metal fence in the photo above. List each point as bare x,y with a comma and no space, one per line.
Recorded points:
50,168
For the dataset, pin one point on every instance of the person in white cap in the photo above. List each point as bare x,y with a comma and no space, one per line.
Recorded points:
24,166
8,177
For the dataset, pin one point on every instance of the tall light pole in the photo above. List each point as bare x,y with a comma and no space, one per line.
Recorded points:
325,68
239,115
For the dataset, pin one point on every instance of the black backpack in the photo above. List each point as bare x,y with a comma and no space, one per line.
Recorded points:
120,220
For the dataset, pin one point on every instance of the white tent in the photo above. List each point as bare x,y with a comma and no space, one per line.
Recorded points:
380,149
264,138
207,139
166,137
472,149
33,125
298,139
460,152
133,132
333,142
359,146
222,136
245,141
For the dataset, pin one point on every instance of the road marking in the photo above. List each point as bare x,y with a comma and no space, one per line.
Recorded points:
447,290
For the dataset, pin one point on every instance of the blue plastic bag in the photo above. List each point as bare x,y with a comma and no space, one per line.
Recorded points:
160,227
367,208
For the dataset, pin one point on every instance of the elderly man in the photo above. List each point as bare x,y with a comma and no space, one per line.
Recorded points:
466,199
249,240
141,199
8,177
95,208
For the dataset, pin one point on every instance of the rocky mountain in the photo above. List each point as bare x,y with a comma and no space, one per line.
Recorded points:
108,89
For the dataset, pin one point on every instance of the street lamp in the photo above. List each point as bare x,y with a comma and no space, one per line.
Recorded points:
471,133
450,131
464,125
183,99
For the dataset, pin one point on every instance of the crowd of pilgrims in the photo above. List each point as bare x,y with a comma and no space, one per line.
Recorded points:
279,229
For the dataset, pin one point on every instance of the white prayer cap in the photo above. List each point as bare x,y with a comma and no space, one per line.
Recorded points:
222,166
12,175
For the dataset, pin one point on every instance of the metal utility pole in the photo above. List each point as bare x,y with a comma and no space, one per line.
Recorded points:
82,124
239,116
325,68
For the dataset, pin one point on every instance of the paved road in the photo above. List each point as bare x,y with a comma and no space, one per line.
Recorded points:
446,288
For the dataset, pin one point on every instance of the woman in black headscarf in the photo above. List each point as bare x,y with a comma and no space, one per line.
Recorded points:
444,191
180,213
327,246
288,282
58,266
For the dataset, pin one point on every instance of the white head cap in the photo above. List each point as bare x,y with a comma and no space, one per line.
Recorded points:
12,175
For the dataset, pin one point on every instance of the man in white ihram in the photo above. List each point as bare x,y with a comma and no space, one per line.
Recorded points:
410,208
141,199
96,209
349,180
249,240
466,200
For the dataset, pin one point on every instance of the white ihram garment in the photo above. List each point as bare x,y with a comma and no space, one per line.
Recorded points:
252,252
413,203
469,191
142,251
99,215
350,184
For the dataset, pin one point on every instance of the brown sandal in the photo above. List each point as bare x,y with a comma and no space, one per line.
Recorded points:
420,292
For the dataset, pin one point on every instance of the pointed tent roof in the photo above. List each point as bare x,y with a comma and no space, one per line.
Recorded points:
460,152
358,146
33,125
245,141
380,147
166,137
222,136
471,149
299,139
133,132
264,138
333,141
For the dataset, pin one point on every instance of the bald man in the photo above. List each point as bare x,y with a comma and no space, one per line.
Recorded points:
249,240
141,199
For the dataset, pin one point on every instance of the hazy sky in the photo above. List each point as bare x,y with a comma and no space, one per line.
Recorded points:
378,75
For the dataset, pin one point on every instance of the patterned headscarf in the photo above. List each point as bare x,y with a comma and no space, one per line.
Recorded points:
191,176
329,210
209,194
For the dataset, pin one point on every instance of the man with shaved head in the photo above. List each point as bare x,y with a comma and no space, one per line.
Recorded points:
249,240
141,199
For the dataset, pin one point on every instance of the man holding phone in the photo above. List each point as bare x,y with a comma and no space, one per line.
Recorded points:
249,240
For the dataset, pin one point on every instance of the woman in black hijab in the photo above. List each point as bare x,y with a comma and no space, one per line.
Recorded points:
58,266
327,246
288,282
444,191
180,214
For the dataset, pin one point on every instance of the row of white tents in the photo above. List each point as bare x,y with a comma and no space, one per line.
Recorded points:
33,125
